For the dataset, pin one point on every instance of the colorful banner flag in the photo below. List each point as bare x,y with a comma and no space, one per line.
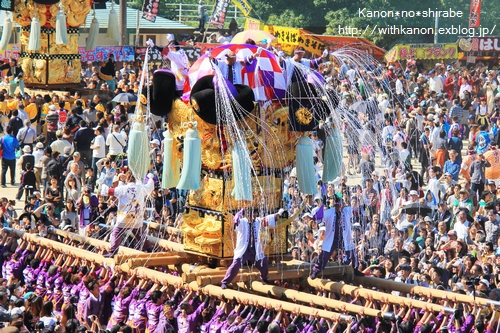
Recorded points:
150,10
243,6
101,53
219,15
12,51
475,13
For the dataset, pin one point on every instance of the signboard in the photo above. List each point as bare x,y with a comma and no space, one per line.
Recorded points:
101,53
253,24
422,52
193,53
480,46
471,59
12,51
150,10
154,55
219,15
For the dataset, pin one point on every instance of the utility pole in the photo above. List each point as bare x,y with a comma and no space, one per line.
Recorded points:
123,23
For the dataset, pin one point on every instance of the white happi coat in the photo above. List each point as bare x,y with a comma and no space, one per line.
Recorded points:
243,235
131,202
329,219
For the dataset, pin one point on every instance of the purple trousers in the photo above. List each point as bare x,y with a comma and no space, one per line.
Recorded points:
323,258
117,237
234,269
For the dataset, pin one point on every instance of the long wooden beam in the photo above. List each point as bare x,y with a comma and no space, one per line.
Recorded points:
94,242
151,274
417,290
158,241
215,291
377,295
316,300
274,274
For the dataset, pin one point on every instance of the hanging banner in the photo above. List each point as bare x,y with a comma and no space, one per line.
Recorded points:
150,10
219,15
284,35
310,43
475,13
154,54
12,51
101,53
7,5
243,6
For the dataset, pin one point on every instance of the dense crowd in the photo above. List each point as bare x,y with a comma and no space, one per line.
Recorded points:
426,215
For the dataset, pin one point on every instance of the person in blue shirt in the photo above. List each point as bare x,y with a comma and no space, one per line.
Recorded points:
10,144
452,166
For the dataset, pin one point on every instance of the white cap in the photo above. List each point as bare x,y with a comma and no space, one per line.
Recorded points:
485,282
27,149
155,141
413,192
52,107
322,228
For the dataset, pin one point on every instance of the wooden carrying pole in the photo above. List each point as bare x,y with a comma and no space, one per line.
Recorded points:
216,277
377,295
417,290
97,258
316,300
216,291
94,242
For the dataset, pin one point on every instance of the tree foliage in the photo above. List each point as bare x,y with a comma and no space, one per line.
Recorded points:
326,16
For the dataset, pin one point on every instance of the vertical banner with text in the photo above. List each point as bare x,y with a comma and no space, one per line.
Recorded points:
150,10
475,13
219,14
243,6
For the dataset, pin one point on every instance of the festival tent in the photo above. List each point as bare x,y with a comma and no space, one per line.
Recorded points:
337,42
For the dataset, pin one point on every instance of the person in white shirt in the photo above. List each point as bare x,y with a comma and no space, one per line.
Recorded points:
98,148
38,153
22,114
116,141
461,224
248,244
131,206
61,144
26,135
434,185
435,83
179,62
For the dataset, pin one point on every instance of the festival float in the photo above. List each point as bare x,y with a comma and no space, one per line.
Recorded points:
49,38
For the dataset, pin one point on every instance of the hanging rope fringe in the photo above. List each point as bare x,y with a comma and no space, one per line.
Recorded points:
191,163
93,34
6,33
34,42
113,25
61,32
170,176
242,172
305,166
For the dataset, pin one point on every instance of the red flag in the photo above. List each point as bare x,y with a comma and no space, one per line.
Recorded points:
475,13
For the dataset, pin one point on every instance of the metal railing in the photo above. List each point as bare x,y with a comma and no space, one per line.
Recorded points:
188,13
